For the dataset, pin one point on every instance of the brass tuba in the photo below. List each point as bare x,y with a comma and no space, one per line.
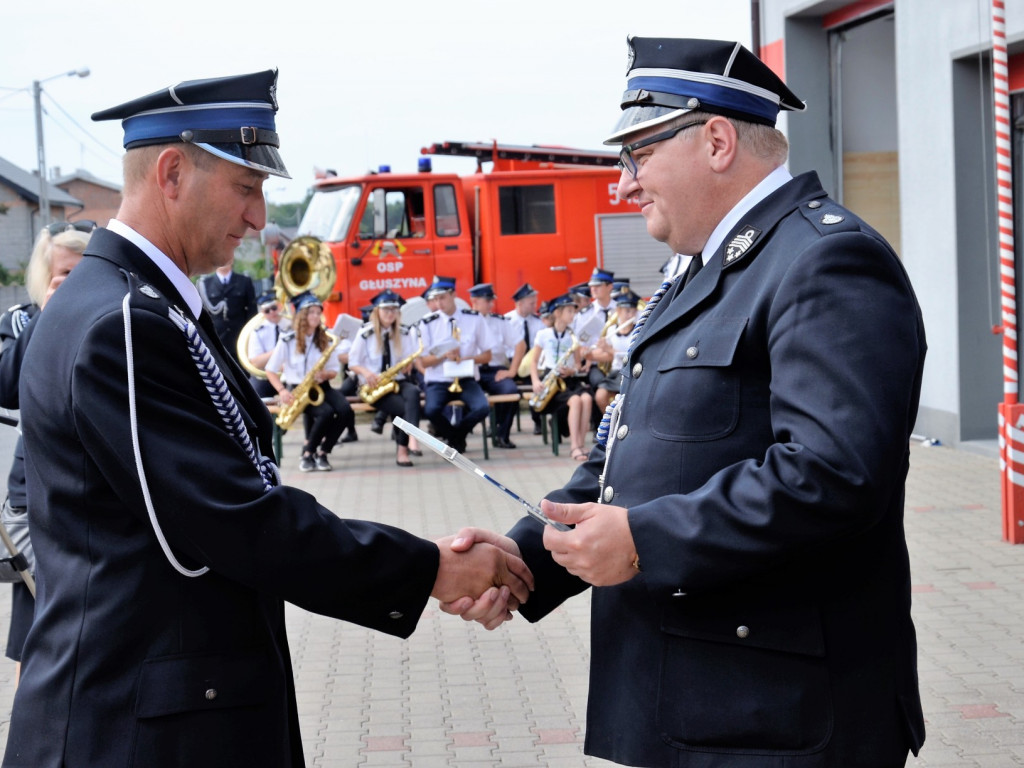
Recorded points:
306,264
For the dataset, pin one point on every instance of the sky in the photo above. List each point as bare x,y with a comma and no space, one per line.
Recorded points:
358,86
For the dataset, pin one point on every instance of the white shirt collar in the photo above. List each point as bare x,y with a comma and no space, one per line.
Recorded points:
178,278
768,184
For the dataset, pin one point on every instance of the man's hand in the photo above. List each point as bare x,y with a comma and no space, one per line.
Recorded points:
480,570
495,606
599,550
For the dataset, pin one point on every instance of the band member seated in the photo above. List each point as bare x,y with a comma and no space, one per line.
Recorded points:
609,353
375,356
525,318
454,344
507,349
264,338
294,359
557,355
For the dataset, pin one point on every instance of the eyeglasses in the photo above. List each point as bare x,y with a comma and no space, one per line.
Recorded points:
627,161
271,308
85,225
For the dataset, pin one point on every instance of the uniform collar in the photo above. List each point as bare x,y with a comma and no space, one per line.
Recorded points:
178,279
768,184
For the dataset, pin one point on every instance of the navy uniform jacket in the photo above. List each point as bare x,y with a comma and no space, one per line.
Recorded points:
762,452
130,663
239,305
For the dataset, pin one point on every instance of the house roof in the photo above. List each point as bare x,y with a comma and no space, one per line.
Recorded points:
26,184
83,175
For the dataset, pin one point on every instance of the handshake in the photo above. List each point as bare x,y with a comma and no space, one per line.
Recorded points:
482,576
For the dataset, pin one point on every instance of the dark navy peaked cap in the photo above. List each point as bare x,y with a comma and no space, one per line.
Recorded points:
231,117
387,298
482,291
668,77
523,291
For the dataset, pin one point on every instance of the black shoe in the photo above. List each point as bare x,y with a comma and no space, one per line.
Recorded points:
415,452
501,442
322,464
377,429
536,429
458,443
350,436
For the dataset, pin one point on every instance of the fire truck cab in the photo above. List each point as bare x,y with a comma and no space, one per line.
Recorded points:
541,215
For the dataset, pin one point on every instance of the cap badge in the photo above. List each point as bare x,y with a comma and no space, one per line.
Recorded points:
740,244
630,56
831,218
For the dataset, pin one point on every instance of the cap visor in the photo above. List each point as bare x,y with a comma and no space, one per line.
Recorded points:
259,157
635,119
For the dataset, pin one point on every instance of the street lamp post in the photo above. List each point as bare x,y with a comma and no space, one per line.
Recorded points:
37,91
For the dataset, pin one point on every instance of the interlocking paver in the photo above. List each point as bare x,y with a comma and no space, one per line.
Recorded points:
455,695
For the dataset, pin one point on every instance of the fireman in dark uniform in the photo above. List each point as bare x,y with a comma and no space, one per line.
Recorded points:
741,518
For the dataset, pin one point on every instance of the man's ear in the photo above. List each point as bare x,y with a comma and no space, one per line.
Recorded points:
722,143
171,165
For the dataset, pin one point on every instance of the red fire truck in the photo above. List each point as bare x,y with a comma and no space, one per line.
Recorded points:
542,215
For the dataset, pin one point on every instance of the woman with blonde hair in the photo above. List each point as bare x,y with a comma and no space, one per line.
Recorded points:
293,359
57,250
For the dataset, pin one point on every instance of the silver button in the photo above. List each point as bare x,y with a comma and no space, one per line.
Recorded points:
609,494
211,694
622,432
395,615
691,352
637,370
742,631
814,204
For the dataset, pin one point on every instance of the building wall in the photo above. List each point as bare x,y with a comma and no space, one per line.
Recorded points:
101,203
18,228
946,182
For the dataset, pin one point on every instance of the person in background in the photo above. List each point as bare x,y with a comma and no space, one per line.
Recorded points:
555,357
230,298
57,251
381,345
524,317
609,353
741,517
497,377
294,359
455,345
165,543
264,338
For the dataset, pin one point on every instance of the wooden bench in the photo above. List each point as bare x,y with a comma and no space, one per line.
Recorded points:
358,406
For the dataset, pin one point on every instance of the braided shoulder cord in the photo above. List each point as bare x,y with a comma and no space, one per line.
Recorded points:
222,399
130,359
606,420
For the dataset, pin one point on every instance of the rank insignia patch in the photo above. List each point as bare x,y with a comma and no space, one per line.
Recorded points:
740,244
831,218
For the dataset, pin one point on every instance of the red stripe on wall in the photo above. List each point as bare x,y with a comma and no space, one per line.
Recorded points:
1016,67
852,12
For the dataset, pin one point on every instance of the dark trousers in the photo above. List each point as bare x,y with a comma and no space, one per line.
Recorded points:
476,409
330,418
405,403
504,413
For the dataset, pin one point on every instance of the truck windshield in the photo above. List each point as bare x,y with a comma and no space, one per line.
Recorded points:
330,213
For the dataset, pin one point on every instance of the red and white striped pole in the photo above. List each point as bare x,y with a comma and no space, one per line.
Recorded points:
1011,412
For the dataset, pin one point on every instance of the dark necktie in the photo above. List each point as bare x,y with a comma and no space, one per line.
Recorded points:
385,359
526,332
696,263
277,333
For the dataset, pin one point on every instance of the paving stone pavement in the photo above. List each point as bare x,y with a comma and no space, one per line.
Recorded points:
456,695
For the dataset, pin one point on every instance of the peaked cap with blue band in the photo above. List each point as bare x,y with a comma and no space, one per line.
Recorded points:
230,117
668,77
440,285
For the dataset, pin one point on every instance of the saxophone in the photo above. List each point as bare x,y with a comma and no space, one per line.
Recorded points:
386,383
308,392
552,383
